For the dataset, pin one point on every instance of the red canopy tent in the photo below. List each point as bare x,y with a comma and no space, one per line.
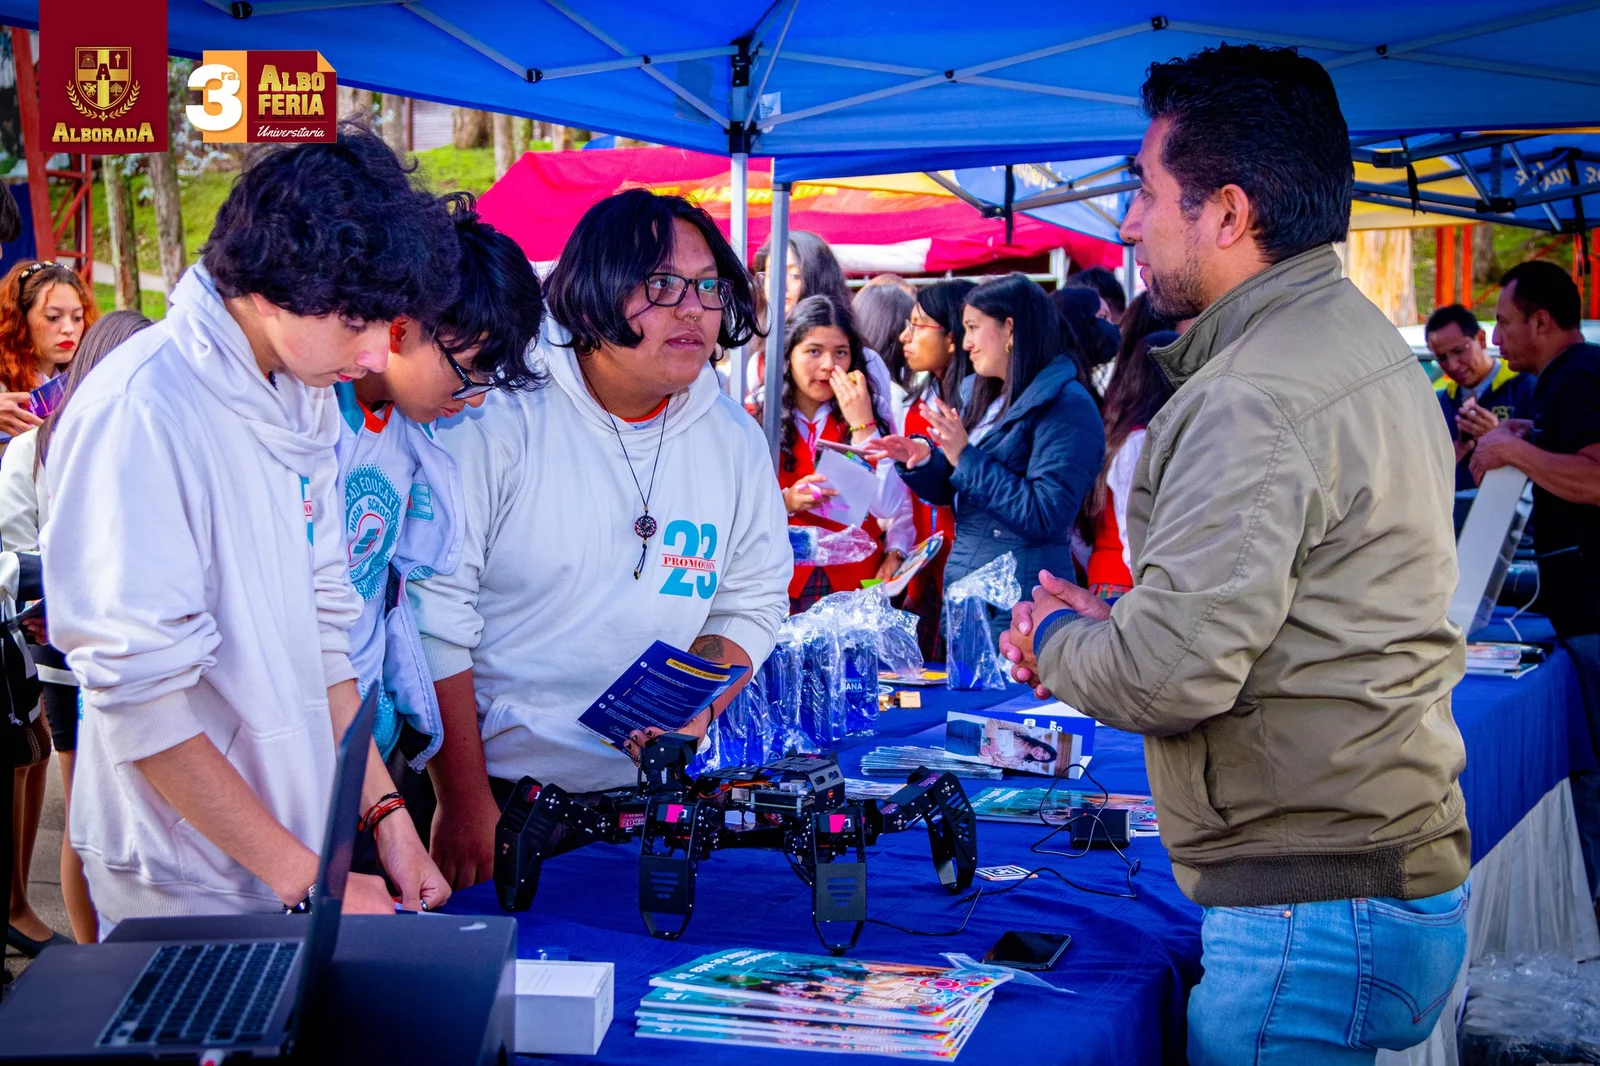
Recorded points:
903,224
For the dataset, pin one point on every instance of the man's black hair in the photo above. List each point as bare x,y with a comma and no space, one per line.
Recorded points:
1543,286
1103,282
617,242
1453,315
1268,121
498,305
335,229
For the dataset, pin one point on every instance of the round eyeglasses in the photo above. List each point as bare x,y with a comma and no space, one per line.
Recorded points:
668,290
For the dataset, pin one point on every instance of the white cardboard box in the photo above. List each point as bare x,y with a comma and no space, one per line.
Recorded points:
563,1008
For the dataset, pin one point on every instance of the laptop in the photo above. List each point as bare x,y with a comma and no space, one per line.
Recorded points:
205,1000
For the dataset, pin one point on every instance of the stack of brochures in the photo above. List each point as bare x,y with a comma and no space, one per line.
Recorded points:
1499,660
898,760
1054,806
814,1002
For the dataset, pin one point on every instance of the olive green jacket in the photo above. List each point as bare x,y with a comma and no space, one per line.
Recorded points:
1285,651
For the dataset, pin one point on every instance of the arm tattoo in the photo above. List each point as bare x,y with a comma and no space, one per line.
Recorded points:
710,646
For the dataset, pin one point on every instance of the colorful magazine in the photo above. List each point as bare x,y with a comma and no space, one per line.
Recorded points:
890,991
1023,805
660,1001
942,1051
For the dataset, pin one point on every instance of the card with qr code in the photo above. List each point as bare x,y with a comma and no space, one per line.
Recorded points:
1005,873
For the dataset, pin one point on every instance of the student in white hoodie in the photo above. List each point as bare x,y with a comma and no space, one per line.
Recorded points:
631,501
195,565
401,489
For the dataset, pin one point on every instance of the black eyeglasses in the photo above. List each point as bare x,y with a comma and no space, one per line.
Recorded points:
668,290
469,389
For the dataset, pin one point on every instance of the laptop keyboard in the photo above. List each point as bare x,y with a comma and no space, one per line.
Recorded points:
214,994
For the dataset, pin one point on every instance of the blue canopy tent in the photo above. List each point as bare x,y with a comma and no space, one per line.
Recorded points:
830,87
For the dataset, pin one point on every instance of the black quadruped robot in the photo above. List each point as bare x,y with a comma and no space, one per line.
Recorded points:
796,805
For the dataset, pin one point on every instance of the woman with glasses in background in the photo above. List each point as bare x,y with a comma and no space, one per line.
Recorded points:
628,502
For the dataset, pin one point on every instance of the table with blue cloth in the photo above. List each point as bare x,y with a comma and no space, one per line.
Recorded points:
1131,963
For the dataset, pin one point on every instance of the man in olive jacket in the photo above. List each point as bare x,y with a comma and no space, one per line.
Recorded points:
1285,650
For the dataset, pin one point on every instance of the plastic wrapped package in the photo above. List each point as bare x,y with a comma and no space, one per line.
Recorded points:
1535,1009
815,546
971,658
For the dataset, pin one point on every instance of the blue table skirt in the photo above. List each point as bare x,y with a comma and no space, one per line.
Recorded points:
1131,963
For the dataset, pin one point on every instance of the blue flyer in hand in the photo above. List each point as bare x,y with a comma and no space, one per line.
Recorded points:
663,688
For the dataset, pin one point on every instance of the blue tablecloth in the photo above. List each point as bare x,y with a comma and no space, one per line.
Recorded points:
1131,963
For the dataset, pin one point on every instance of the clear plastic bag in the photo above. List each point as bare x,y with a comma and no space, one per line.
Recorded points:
1534,1009
815,546
971,658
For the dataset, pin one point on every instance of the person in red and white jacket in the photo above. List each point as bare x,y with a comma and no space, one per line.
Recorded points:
828,396
1137,391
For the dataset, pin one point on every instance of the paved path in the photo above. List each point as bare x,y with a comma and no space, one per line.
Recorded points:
104,275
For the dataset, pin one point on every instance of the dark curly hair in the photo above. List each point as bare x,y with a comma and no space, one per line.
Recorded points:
616,244
335,229
498,305
1268,121
816,312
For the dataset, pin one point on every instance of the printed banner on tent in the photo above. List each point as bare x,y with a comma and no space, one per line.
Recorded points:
103,76
278,97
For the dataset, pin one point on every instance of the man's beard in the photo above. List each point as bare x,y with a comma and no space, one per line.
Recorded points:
1178,295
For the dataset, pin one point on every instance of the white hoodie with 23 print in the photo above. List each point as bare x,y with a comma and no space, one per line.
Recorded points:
196,579
544,607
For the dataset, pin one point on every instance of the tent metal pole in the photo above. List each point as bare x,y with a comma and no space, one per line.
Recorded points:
610,42
1518,21
960,75
521,70
777,282
739,231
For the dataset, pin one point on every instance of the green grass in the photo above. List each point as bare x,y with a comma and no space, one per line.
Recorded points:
153,304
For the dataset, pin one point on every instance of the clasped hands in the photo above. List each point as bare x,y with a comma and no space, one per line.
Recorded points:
1051,594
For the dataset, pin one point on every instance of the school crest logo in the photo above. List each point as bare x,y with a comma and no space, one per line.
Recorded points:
104,87
372,523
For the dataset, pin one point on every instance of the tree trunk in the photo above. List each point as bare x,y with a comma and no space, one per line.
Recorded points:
522,135
505,149
355,105
560,138
1379,263
1483,265
469,128
163,171
119,225
392,124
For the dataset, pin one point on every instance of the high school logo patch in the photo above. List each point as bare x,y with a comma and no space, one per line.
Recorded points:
372,524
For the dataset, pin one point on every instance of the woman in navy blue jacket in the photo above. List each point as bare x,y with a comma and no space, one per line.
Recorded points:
1018,478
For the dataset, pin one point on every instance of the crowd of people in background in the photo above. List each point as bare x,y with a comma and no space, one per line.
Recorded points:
369,449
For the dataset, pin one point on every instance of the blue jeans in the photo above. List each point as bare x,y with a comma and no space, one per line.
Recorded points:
1312,983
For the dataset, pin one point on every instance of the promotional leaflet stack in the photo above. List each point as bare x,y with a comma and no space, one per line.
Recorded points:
781,999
